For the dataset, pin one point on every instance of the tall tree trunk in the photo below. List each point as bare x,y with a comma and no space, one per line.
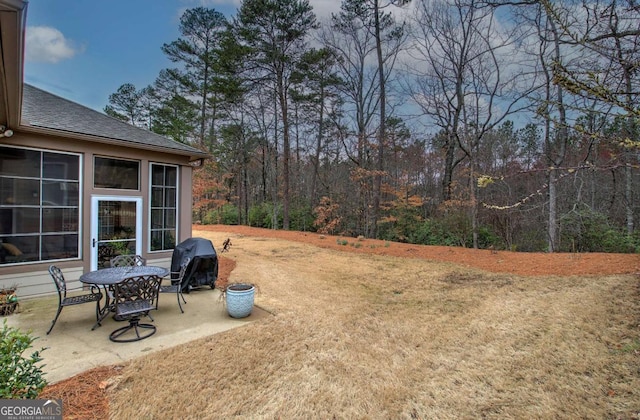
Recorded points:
203,107
286,152
473,195
628,197
561,139
316,157
377,181
552,229
274,172
447,179
630,133
362,163
245,190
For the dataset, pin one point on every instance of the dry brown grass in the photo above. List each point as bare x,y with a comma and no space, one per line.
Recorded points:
368,336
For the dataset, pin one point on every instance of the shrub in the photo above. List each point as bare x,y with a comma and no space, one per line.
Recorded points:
20,377
301,218
434,232
225,215
586,230
530,240
429,232
262,215
456,226
326,219
487,238
616,241
257,215
229,214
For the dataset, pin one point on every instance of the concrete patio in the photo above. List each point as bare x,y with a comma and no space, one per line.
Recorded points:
72,347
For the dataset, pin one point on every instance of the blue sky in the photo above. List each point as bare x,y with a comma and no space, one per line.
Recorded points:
84,50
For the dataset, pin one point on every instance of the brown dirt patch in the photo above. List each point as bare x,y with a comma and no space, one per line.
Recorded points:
85,395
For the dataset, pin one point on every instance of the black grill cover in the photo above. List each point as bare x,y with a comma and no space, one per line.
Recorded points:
203,267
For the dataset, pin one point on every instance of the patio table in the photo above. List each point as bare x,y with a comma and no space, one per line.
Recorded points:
107,277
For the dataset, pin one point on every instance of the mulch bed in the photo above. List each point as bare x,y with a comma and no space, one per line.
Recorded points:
84,396
495,261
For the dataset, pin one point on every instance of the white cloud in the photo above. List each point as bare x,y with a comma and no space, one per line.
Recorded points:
48,45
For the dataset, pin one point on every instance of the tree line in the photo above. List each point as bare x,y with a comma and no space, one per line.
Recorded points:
506,124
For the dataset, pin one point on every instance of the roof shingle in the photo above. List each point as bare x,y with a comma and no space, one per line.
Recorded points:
46,110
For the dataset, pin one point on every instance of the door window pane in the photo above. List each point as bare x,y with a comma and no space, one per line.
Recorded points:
116,230
117,220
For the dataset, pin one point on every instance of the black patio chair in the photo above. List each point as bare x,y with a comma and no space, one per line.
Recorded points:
135,297
63,300
129,260
176,284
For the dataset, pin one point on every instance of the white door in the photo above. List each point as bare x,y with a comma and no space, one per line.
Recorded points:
116,228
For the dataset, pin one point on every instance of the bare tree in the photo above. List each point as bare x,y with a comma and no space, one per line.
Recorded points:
471,83
367,42
607,37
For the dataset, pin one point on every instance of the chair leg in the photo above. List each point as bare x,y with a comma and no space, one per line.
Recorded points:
97,311
103,311
55,319
178,294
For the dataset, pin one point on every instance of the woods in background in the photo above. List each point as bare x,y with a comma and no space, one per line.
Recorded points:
502,124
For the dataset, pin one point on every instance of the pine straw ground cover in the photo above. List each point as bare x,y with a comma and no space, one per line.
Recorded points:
356,335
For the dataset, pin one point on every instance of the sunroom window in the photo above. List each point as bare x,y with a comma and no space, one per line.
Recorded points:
164,207
39,205
116,173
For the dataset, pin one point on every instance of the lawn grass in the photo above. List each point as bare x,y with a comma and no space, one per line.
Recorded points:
364,336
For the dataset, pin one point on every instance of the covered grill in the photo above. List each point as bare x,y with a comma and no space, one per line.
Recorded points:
203,267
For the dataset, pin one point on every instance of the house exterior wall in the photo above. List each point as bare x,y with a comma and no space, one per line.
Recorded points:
13,15
33,279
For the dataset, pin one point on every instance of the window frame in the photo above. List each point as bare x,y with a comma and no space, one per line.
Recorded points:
176,206
43,209
138,175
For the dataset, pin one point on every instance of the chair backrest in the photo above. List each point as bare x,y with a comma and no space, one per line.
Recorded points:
58,279
129,260
142,290
183,270
180,277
